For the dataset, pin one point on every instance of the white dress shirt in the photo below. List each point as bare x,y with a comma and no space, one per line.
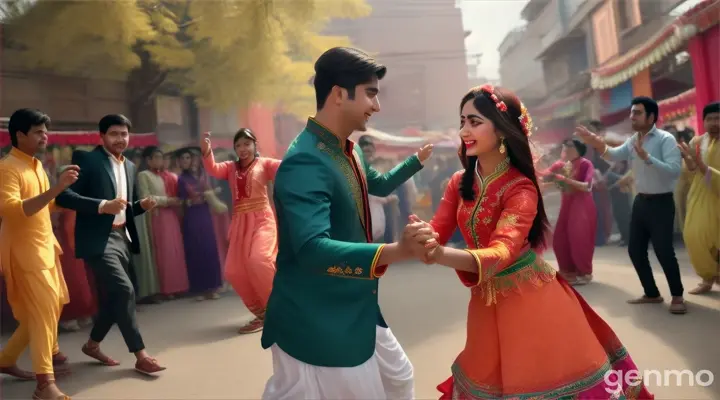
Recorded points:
121,192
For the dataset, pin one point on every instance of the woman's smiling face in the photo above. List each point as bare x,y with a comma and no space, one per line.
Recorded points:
476,131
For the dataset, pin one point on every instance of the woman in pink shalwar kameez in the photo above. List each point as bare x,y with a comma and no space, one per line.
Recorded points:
250,262
574,236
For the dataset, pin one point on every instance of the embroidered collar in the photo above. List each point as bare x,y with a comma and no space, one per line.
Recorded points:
503,166
327,136
500,169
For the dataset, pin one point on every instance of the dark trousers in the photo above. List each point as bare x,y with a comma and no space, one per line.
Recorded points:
116,292
652,220
621,211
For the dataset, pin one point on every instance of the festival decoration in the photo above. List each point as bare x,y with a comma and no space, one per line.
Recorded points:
677,107
666,42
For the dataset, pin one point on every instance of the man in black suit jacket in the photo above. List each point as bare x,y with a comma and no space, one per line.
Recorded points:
105,236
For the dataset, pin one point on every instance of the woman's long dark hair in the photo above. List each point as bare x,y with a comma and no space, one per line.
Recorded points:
518,150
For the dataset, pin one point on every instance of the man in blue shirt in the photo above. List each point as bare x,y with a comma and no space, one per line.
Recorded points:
656,163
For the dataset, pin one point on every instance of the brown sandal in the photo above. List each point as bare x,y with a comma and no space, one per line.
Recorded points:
148,366
43,386
94,352
253,326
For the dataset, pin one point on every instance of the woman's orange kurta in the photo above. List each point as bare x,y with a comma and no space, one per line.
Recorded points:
529,334
250,262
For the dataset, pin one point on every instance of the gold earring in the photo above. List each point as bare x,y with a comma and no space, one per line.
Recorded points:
502,147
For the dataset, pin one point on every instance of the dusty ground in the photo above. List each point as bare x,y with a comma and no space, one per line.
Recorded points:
426,308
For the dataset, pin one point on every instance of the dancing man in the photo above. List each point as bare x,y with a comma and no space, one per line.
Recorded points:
30,253
323,321
702,222
105,235
656,163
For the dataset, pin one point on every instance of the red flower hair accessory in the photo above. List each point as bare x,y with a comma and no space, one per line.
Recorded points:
490,90
526,121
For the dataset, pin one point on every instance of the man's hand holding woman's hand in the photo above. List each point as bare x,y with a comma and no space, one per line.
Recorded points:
420,240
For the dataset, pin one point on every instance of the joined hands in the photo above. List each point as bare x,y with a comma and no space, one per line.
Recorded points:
419,240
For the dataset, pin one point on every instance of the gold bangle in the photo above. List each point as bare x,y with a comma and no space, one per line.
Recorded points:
605,151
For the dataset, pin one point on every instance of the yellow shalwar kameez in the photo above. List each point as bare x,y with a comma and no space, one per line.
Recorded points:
702,222
30,261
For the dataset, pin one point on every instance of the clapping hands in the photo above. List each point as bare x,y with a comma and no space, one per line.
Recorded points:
692,161
420,240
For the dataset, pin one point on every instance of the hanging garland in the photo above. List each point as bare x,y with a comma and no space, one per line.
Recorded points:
664,43
677,107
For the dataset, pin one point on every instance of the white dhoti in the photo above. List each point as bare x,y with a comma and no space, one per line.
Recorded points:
388,374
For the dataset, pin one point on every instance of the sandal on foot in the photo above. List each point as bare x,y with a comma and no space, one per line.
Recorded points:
94,352
148,366
678,307
702,288
253,326
17,373
37,394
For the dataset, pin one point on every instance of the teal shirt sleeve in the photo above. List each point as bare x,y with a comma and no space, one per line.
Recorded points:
382,185
303,194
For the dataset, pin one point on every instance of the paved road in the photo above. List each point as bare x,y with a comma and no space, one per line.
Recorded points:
426,307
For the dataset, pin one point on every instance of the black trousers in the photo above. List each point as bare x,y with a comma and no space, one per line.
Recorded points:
652,221
116,292
621,211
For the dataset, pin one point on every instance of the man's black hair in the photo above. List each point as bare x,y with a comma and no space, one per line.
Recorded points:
23,120
111,120
651,106
344,67
711,108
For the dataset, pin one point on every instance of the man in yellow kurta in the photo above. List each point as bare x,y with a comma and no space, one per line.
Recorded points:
702,221
29,252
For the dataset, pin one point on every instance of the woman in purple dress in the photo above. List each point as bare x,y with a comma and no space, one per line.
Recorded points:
574,236
201,251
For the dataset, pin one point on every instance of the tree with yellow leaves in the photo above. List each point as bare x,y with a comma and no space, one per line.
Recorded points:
223,53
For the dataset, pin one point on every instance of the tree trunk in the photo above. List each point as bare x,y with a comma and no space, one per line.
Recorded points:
193,118
142,85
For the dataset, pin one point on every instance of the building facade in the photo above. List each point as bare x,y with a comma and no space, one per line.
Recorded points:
423,46
574,37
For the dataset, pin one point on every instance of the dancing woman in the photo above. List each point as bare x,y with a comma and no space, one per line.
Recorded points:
250,262
574,236
529,333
